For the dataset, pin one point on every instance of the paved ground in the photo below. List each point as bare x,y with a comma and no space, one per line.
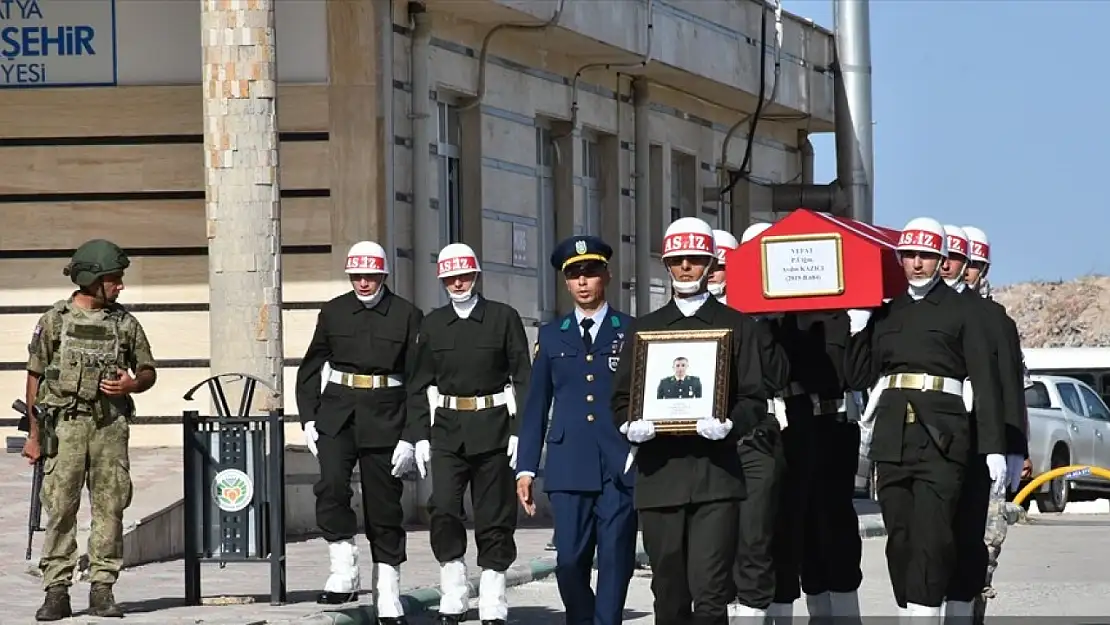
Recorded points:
1052,567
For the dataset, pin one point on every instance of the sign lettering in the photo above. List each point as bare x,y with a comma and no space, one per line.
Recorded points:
460,263
980,250
802,268
368,263
57,43
957,245
920,238
687,242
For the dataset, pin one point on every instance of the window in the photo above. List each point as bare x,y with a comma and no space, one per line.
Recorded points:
591,186
1095,408
1036,396
1070,398
545,204
450,177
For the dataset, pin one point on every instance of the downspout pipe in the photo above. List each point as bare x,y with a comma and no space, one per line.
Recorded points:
426,239
852,88
641,138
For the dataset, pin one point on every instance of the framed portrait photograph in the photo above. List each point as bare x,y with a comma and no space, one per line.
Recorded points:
679,377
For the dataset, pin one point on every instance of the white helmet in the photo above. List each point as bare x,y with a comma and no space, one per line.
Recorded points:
367,257
978,245
724,241
923,234
689,236
956,239
455,260
753,231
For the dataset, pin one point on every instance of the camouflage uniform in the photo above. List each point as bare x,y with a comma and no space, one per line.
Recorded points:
72,350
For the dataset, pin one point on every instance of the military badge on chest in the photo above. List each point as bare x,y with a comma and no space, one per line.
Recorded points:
615,350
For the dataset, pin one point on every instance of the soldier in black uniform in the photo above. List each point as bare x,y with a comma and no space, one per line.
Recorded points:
917,351
817,543
762,459
679,385
971,517
474,355
351,397
688,487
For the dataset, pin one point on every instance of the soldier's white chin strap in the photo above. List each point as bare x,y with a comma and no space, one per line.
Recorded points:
461,298
684,287
371,301
717,289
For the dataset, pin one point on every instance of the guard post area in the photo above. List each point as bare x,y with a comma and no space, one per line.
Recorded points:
234,468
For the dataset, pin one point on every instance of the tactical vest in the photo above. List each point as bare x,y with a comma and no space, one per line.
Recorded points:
88,351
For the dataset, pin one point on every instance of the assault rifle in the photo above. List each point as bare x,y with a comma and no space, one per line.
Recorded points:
34,517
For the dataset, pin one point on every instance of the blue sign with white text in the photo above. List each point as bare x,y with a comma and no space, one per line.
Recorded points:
57,43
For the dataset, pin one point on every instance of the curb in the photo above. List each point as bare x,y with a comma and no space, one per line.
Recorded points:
421,600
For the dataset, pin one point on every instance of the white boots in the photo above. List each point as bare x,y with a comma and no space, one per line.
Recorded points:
740,614
958,612
914,614
387,593
493,605
343,579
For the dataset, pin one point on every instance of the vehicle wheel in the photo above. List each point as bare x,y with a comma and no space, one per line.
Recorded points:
1056,499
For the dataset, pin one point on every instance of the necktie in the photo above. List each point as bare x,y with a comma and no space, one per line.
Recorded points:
586,338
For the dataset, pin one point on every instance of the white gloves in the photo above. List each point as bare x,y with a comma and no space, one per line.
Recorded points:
857,319
714,429
423,457
310,436
639,431
511,451
403,458
996,464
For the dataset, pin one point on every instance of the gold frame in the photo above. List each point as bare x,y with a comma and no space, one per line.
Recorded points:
721,374
791,238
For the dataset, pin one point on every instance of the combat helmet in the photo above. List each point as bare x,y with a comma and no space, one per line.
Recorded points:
94,260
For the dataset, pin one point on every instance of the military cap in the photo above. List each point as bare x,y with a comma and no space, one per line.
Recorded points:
578,249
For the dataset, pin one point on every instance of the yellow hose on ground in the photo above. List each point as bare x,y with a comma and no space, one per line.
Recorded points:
1071,472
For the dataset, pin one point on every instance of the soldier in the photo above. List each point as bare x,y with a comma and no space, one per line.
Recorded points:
984,508
763,462
688,487
584,476
817,545
88,356
917,351
367,339
679,385
473,363
725,243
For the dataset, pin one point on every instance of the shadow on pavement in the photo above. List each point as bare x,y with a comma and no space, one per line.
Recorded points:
146,606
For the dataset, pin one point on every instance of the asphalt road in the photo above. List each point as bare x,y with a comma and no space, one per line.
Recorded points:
1056,566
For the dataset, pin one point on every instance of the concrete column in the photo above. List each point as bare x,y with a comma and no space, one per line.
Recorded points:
616,222
242,192
568,203
641,99
356,126
470,166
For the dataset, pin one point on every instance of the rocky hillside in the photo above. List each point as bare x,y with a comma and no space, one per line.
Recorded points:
1060,314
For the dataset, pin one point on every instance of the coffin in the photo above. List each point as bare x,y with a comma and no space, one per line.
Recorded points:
814,261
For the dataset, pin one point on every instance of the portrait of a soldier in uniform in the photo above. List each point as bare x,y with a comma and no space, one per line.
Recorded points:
679,385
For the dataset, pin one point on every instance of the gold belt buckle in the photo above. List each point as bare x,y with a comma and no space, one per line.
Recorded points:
355,380
466,403
910,381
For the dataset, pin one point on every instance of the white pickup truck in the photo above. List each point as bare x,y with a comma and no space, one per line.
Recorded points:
1068,424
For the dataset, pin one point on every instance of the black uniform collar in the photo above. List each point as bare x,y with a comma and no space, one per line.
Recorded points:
936,295
353,304
707,313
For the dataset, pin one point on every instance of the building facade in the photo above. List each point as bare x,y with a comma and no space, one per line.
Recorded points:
508,155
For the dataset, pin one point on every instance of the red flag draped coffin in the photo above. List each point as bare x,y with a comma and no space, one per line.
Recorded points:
814,261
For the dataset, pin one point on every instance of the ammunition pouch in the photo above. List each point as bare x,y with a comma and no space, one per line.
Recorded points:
48,432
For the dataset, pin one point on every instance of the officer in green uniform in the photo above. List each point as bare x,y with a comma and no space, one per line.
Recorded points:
679,385
88,355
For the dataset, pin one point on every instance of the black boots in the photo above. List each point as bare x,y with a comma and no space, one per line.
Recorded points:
102,602
56,605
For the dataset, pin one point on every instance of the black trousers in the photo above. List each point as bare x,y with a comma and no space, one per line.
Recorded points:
817,543
970,576
691,549
493,497
754,569
381,496
919,497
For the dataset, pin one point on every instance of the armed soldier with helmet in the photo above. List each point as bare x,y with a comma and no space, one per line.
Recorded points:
88,356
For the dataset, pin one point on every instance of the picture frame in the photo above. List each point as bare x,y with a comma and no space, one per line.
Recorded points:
679,377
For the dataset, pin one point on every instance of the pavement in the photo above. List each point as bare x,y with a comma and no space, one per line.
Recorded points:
1050,570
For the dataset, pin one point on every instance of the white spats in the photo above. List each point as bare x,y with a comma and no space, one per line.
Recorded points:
915,614
387,589
344,576
844,604
780,614
819,605
740,614
493,605
958,612
455,597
